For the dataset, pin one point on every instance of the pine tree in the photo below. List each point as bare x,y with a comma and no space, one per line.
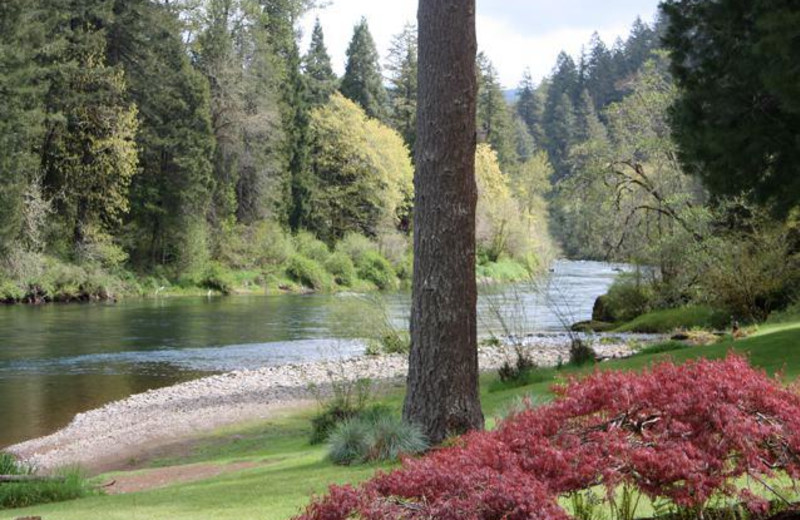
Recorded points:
558,117
737,119
362,81
601,74
281,17
402,67
528,106
89,157
319,73
494,122
170,197
23,30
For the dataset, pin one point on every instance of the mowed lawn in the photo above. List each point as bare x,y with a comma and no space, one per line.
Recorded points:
287,470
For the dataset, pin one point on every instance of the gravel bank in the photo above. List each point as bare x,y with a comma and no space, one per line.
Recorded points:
120,430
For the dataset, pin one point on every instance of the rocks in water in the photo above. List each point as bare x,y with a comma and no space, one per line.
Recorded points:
592,326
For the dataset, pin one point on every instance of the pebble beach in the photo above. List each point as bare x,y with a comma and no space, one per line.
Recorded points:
105,436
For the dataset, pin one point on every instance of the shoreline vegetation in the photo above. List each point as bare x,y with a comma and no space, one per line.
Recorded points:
306,266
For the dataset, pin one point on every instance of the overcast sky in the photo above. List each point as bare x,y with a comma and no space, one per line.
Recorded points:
515,34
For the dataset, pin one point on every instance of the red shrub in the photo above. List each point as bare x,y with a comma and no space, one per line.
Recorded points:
680,432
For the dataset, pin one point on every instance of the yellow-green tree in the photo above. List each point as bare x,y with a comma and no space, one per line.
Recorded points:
362,173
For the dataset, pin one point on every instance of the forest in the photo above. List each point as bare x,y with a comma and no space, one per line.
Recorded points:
178,146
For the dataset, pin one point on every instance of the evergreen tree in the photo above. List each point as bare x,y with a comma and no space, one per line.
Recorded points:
402,67
601,74
641,42
170,197
528,106
89,156
558,116
737,119
319,73
23,30
362,81
494,122
280,19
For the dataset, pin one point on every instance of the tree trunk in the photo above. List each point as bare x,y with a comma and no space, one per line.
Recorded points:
443,366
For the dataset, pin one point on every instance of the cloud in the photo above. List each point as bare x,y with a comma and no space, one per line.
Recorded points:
514,34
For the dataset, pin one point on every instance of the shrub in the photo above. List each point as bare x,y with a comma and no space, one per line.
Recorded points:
308,273
217,278
308,245
356,247
374,436
517,369
580,353
658,433
331,416
376,269
342,268
628,297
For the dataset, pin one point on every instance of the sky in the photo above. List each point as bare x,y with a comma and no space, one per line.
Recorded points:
514,34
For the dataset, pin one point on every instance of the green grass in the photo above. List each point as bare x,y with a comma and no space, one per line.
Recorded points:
290,470
664,321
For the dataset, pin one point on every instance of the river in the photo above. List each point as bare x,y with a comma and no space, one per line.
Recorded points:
59,360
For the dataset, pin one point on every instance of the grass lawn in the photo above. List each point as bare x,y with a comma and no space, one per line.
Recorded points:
288,470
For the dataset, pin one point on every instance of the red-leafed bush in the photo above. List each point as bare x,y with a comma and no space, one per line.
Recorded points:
684,433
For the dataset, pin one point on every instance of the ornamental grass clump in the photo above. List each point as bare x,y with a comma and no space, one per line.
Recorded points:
682,434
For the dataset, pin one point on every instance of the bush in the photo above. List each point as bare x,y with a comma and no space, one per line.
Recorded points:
217,278
502,270
655,433
376,436
342,268
628,297
376,269
519,368
308,273
328,419
667,320
580,353
356,247
306,244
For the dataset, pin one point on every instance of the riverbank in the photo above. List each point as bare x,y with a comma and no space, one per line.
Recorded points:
267,470
104,438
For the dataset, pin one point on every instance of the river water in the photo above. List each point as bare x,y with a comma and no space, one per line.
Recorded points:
59,360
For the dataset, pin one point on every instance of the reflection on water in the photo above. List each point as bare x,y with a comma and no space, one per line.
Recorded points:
58,360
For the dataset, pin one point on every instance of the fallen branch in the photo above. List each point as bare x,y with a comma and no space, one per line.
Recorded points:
28,478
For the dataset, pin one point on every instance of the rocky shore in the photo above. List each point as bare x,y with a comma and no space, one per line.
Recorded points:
119,430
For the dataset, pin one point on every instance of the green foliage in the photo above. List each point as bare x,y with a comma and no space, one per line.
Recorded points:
628,297
362,81
308,273
494,121
736,119
381,436
580,353
318,70
376,269
362,175
668,320
402,68
217,278
70,484
311,247
660,348
342,268
503,270
67,485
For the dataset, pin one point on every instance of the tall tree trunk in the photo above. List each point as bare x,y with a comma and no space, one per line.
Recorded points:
443,366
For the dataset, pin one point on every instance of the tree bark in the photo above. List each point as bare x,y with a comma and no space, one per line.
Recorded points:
442,383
